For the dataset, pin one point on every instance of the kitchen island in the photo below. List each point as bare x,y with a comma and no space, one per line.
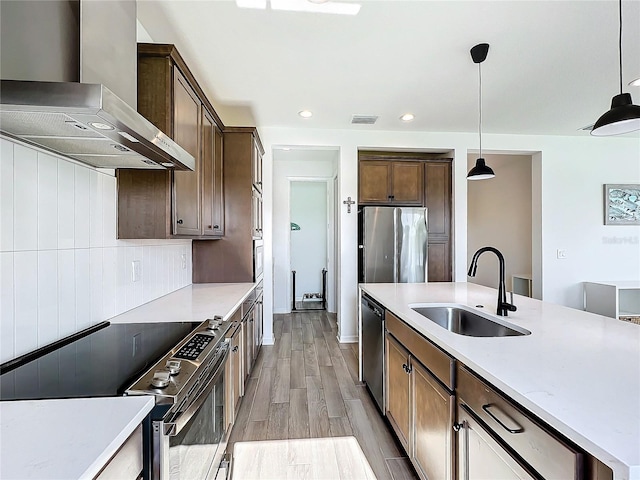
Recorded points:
576,371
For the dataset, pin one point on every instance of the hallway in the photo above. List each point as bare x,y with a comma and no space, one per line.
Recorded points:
306,386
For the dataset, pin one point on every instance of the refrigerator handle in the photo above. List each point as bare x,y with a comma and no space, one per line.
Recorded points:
426,248
397,238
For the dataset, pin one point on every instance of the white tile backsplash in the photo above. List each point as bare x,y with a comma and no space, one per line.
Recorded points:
7,325
6,195
47,294
81,225
66,204
25,296
47,202
61,267
25,198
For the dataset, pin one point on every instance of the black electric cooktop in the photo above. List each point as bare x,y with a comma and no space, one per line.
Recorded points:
102,363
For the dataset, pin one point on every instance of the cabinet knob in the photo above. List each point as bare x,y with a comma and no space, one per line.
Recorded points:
180,222
406,368
234,349
216,226
457,427
209,227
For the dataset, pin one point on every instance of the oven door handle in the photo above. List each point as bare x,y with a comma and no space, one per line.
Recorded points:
173,427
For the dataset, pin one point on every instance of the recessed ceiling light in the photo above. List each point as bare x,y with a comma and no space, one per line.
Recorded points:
635,83
257,4
407,117
305,114
339,8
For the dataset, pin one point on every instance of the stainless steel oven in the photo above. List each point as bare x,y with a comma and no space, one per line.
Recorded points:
186,432
190,440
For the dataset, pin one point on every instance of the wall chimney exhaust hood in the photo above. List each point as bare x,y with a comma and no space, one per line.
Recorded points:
87,123
69,84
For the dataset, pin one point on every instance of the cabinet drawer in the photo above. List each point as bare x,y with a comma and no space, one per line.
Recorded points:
550,456
437,361
126,464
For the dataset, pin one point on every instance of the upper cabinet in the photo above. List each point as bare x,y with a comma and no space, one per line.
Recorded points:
168,204
387,182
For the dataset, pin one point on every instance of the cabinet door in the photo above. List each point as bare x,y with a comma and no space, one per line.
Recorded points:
212,197
248,345
480,456
398,383
236,365
256,214
257,328
433,426
438,203
374,182
186,132
256,168
407,186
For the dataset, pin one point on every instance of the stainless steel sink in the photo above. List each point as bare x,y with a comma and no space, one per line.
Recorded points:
466,322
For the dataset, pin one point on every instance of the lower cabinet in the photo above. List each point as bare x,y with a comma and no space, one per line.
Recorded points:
433,414
126,464
421,412
234,377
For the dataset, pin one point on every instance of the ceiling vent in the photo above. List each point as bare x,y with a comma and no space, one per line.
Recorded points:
364,119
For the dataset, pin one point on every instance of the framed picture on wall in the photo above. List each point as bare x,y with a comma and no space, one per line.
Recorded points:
622,204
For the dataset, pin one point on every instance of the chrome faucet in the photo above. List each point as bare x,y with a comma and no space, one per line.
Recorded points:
503,306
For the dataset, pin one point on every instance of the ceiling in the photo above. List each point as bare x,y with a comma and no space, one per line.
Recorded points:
552,67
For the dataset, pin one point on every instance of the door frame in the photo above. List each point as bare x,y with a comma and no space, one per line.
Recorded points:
332,224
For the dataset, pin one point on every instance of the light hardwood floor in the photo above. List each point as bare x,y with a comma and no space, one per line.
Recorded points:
306,386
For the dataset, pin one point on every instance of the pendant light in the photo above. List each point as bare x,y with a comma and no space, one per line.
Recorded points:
624,116
481,171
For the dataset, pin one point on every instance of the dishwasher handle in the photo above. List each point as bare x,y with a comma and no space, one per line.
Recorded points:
373,307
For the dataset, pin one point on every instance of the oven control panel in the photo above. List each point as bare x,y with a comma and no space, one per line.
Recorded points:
194,347
172,377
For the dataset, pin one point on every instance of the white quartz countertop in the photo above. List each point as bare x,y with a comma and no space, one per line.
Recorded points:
65,439
193,303
577,371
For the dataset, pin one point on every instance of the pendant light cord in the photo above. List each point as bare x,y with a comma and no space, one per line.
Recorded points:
480,105
620,42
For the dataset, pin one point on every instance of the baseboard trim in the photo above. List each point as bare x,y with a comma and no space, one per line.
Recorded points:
348,339
267,341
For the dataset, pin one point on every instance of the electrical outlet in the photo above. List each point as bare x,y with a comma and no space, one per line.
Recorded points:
562,253
136,271
183,259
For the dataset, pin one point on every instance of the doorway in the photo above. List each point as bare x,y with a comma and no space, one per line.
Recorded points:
309,244
503,212
304,194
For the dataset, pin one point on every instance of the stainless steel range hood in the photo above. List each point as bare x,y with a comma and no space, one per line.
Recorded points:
87,122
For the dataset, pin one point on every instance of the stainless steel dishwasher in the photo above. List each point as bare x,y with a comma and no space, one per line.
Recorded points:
373,348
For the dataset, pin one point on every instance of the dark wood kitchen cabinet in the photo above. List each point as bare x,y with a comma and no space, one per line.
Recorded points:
166,204
390,182
438,200
231,259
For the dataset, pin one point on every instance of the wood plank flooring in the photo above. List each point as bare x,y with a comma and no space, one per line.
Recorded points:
305,386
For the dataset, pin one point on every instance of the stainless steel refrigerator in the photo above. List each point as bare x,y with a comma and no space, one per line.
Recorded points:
393,244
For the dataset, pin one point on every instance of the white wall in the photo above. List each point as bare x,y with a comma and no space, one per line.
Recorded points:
572,171
499,215
311,164
61,267
308,208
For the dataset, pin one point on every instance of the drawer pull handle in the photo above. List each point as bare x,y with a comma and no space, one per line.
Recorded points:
502,418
